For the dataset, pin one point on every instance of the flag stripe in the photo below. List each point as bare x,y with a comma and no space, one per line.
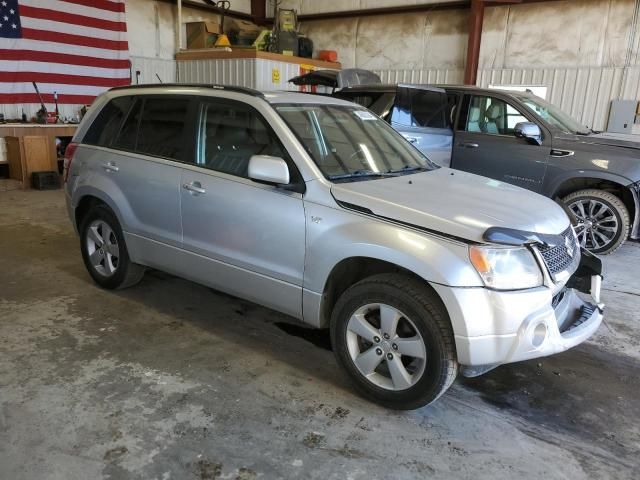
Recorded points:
80,30
101,4
87,11
47,98
66,18
27,87
77,48
37,45
61,59
9,66
70,39
14,77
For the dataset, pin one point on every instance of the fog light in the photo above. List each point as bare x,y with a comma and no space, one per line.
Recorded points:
539,334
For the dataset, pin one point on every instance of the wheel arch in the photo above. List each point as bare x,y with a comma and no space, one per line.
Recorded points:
351,270
612,184
87,198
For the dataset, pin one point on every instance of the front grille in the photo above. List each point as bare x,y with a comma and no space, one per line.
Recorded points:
557,258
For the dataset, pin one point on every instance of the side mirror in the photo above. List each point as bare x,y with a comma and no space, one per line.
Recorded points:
529,131
268,169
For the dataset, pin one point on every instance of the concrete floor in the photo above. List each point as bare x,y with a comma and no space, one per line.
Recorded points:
170,380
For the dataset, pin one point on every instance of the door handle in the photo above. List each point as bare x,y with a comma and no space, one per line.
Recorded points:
194,188
411,139
468,145
110,167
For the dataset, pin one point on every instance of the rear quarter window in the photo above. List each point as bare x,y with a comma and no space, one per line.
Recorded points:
106,125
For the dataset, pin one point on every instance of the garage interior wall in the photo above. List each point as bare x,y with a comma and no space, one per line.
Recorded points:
594,60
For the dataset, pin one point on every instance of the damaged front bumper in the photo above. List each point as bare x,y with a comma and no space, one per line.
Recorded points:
522,325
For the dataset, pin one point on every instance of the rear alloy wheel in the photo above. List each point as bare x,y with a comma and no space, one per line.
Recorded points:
392,335
602,220
104,251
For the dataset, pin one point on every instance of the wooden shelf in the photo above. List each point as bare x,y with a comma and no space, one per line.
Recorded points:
250,53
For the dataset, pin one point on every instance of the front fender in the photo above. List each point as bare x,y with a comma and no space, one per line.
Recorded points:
334,235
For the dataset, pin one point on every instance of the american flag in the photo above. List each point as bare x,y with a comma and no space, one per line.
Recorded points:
77,48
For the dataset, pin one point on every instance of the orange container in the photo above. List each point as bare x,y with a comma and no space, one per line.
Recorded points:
328,55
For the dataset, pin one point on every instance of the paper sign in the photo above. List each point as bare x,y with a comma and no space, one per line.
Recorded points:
275,75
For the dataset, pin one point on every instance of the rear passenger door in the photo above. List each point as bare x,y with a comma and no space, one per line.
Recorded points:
422,116
242,237
139,169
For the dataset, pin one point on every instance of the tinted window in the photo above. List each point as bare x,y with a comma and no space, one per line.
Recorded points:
401,112
379,103
429,109
107,124
492,115
156,126
420,108
230,133
126,139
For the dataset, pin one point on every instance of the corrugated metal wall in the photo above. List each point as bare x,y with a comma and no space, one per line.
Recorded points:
258,74
150,66
584,93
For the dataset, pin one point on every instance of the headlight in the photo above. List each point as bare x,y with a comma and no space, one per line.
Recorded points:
506,268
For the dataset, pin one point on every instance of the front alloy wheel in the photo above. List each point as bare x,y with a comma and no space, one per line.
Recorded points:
392,334
386,347
602,220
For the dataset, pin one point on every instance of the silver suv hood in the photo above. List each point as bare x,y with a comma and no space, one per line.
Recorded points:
454,203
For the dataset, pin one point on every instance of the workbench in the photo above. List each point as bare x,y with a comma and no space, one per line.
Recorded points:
31,147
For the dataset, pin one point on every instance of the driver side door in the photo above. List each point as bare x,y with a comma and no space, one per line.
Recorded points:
485,144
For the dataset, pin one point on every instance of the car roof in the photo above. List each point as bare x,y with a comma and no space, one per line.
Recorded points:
273,97
391,87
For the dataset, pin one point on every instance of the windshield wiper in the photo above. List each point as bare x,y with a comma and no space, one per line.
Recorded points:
408,169
360,174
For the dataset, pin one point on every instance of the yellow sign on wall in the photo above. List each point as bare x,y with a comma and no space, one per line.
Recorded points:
275,75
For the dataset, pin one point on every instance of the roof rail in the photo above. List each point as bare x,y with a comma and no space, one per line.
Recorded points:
230,88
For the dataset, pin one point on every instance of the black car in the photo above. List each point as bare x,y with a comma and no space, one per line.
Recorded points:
519,138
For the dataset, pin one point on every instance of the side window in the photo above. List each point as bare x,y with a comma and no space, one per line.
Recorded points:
492,115
401,112
107,123
162,127
429,109
126,139
230,133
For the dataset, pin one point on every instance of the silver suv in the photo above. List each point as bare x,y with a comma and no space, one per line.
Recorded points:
317,208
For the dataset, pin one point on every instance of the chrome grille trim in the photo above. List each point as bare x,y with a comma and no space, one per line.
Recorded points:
557,258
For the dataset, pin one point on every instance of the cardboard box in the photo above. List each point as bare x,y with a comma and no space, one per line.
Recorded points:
202,34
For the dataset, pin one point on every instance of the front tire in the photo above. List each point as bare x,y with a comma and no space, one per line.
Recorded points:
602,218
392,335
104,250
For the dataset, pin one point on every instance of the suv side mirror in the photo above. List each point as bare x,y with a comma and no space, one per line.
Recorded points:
529,131
268,169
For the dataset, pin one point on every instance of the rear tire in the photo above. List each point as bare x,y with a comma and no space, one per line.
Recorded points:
395,328
104,250
603,220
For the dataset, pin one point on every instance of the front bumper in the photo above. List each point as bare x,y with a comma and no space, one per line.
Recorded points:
497,327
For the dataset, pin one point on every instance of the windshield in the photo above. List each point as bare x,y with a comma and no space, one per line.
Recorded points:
352,143
553,115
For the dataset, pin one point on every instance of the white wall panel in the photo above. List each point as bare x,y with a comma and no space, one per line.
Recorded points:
250,73
149,66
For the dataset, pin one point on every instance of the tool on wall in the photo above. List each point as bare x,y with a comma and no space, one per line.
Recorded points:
55,99
41,115
223,40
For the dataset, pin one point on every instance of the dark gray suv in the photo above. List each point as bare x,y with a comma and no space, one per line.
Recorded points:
519,138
